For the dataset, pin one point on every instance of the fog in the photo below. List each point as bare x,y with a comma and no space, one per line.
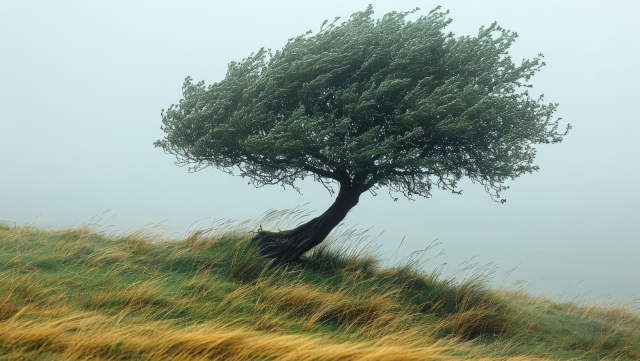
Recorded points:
82,86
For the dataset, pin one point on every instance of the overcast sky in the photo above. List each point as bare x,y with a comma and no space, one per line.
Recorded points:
82,84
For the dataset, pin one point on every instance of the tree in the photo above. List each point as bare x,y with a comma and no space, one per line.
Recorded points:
366,104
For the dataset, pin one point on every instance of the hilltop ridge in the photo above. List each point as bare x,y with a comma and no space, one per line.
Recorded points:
77,294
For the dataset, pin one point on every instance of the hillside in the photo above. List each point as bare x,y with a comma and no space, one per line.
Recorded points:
79,294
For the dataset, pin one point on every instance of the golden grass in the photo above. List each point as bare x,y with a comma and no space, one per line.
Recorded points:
83,336
90,335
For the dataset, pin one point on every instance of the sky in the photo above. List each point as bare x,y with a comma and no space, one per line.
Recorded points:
82,84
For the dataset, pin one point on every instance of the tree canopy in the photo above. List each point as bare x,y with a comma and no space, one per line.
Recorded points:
377,103
367,104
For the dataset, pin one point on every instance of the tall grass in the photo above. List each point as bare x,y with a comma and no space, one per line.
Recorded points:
87,336
80,293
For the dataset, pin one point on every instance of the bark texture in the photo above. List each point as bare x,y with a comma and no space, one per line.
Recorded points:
288,246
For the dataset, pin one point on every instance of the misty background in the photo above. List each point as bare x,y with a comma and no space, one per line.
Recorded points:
82,84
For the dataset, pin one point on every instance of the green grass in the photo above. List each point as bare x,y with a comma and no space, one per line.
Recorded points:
82,294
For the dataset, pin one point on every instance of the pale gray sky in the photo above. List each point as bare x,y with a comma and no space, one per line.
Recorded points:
82,84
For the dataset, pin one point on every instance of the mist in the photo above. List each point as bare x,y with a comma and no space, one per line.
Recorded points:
83,84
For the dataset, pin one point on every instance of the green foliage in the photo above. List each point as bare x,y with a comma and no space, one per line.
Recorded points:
373,103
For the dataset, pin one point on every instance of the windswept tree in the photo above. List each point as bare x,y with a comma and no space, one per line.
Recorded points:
363,105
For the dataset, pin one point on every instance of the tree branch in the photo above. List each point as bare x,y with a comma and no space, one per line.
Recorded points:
324,173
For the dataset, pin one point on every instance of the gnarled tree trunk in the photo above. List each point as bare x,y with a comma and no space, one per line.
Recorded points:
287,246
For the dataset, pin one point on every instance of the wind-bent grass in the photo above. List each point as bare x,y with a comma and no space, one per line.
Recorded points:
77,294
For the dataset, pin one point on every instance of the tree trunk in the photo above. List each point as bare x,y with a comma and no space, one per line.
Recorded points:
287,246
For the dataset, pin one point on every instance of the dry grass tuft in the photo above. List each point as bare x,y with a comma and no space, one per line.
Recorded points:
345,250
91,336
247,263
475,322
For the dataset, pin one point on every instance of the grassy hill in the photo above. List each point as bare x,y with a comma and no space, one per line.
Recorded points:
80,294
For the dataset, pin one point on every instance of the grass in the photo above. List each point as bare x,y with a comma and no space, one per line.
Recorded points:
80,294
